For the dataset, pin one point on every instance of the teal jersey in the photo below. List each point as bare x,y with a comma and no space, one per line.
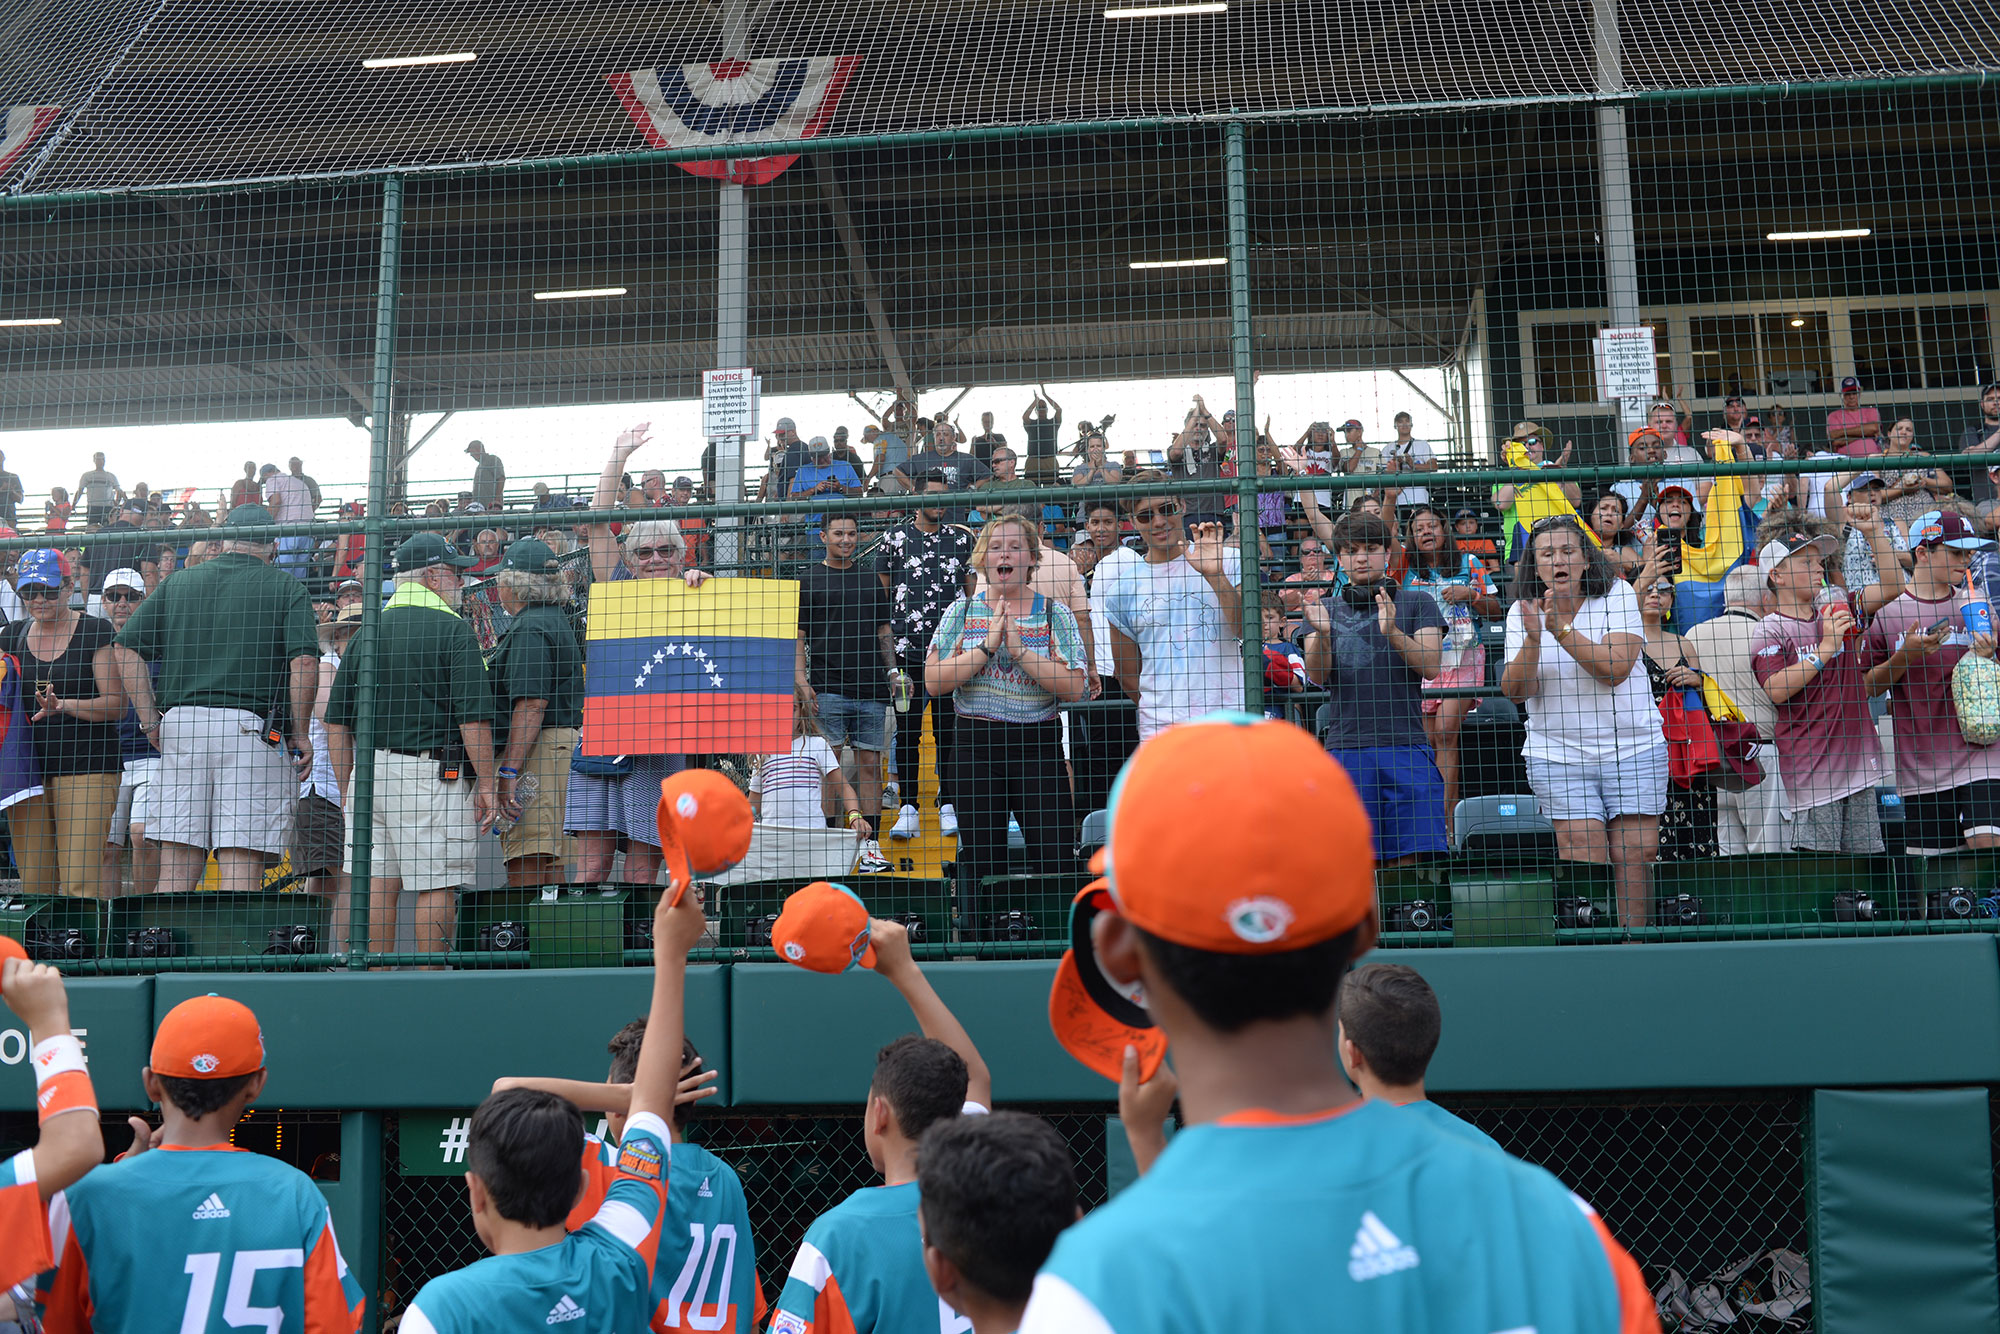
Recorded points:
199,1240
596,1278
860,1270
1360,1219
1451,1124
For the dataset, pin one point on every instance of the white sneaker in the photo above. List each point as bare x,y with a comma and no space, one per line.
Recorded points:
892,795
948,820
908,825
871,862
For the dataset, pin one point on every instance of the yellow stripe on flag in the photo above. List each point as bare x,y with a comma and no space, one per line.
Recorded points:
757,608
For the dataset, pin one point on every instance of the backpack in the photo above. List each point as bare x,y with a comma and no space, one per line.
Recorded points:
1975,698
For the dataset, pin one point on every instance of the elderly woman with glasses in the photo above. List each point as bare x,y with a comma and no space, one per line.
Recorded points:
70,681
614,800
1597,759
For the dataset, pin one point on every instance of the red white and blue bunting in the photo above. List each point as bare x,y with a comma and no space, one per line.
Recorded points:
24,125
736,101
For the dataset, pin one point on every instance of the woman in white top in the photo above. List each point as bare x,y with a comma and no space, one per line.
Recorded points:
1597,758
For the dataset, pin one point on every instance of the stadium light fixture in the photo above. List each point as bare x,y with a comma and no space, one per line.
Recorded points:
1205,262
405,62
1798,324
1168,11
1833,234
578,293
38,322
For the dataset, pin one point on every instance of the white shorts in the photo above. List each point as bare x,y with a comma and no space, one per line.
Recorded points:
425,831
137,803
219,785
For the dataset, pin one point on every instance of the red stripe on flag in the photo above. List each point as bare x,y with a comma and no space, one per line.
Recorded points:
687,724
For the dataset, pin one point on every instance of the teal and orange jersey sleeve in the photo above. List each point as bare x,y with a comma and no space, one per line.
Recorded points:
812,1302
635,1207
334,1302
600,1171
25,1246
1637,1311
65,1294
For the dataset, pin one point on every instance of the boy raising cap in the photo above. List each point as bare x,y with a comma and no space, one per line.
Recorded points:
860,1268
1389,1026
70,1145
197,1234
1281,1171
997,1192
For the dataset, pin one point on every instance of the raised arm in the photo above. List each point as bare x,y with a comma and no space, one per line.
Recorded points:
604,556
70,1145
676,928
892,960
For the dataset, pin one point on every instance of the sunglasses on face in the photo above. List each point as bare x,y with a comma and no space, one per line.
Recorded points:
1147,515
39,592
124,595
652,553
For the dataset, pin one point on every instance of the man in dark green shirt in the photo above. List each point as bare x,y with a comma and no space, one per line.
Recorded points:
239,666
435,785
537,672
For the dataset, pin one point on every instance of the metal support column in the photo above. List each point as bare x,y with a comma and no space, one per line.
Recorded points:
732,306
381,432
1614,184
1241,360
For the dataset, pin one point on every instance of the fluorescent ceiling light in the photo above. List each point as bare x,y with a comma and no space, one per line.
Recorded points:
1837,234
37,323
1207,262
404,62
1167,11
576,292
1798,324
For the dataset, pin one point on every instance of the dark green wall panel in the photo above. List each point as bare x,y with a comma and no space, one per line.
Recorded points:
117,1014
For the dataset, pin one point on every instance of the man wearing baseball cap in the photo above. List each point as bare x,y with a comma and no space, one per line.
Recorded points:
238,653
1950,787
1850,428
436,784
187,1228
1282,1173
69,1145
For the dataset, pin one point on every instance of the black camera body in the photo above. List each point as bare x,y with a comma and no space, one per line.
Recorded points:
504,937
56,943
155,942
1418,915
295,939
1855,905
1010,926
757,931
1575,912
1679,910
913,923
1956,904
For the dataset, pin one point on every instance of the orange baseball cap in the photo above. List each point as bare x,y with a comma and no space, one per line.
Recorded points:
705,824
824,928
1093,1017
11,948
208,1037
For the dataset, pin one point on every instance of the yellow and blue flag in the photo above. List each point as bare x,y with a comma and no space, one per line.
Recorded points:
673,670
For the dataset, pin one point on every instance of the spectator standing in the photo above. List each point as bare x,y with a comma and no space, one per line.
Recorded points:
97,491
435,789
846,663
1597,759
1911,487
1851,429
489,477
239,663
247,490
1175,612
1102,737
11,496
10,601
1688,824
1373,646
847,453
890,455
1757,819
1524,505
1041,422
1198,453
117,546
1810,660
297,467
1317,453
788,797
925,565
133,814
1621,545
1973,481
70,685
56,511
1463,589
1406,454
1861,501
822,475
987,440
1008,657
319,833
289,501
537,675
961,471
1094,468
1950,787
785,456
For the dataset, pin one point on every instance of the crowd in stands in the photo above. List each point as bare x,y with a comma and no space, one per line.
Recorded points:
1691,658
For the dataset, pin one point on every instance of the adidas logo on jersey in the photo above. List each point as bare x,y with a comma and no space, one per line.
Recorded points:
566,1309
705,1193
212,1207
1377,1251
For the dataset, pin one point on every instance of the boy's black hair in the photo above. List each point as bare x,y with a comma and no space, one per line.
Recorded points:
624,1049
930,475
923,1081
1091,507
996,1193
1391,1014
1229,992
196,1098
826,524
527,1146
1358,528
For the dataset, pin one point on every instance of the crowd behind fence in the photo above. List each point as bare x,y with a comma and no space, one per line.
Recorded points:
1738,685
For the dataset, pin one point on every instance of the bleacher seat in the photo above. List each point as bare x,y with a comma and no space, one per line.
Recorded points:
1092,837
1510,826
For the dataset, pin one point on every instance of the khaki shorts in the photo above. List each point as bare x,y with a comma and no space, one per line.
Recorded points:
219,785
539,832
425,830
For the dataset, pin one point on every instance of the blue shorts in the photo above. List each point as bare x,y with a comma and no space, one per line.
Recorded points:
845,721
1404,795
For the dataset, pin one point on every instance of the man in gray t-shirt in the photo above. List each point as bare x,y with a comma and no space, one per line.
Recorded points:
96,491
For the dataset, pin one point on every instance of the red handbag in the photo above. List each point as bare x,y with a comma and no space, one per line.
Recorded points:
1694,754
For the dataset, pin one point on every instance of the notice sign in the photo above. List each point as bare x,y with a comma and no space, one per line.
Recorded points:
1626,366
729,403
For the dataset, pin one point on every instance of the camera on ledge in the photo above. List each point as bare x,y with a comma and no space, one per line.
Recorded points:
56,943
912,922
1576,913
504,937
295,939
1417,915
757,931
1956,904
155,942
1010,927
1855,905
1679,910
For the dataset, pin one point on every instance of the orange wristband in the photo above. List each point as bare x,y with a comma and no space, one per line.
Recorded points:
69,1091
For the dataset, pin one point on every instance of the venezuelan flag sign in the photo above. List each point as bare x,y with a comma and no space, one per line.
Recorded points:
673,670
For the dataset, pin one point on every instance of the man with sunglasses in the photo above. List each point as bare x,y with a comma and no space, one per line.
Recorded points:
1175,612
124,590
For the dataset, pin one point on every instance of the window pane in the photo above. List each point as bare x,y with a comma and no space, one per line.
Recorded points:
1885,349
1958,347
1798,353
1725,355
1565,369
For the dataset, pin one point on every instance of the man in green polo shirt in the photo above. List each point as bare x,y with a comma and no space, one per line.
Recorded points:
537,671
435,780
239,671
